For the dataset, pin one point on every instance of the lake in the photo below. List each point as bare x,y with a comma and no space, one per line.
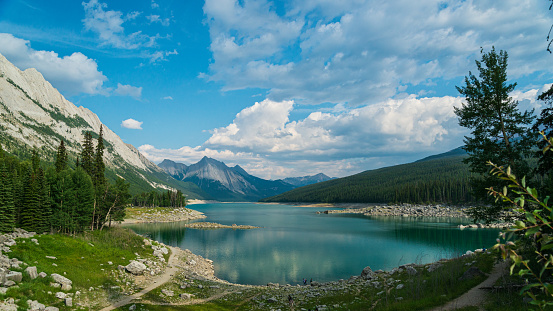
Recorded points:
296,242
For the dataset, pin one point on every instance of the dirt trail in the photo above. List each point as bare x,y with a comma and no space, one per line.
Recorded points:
156,282
476,296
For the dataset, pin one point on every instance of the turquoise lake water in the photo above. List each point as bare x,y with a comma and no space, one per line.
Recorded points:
296,242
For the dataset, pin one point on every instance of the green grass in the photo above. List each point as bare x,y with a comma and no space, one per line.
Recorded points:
83,259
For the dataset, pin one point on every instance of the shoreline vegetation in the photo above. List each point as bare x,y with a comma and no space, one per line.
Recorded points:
161,277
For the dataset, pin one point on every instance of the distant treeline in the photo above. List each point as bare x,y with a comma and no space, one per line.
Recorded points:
161,199
443,180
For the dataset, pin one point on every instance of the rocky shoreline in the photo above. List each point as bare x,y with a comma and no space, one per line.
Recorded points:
152,215
413,210
212,225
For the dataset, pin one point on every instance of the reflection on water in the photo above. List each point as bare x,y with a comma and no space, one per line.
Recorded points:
297,243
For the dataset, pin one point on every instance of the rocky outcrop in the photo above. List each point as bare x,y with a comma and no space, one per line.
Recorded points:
135,267
64,282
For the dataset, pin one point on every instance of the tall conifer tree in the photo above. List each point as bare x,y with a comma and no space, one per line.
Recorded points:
498,128
87,154
7,210
61,157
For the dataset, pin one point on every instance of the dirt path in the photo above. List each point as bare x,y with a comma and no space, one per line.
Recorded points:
476,296
156,282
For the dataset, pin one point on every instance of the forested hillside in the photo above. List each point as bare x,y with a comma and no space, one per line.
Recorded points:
442,179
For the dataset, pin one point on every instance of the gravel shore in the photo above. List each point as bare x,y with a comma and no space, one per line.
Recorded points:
412,210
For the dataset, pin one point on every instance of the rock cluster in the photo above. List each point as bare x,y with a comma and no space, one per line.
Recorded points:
169,215
212,225
404,210
9,278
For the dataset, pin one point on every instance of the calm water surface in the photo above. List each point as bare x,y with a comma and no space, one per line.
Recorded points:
297,243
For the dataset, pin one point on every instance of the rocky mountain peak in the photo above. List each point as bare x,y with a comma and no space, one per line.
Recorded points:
35,114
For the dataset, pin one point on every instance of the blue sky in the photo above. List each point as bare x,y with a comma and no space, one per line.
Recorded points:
282,88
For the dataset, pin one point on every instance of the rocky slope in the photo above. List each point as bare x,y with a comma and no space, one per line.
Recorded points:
34,114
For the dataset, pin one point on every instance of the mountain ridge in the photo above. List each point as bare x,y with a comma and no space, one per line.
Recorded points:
33,114
224,183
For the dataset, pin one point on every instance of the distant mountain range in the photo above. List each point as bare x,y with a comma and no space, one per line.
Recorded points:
306,180
225,183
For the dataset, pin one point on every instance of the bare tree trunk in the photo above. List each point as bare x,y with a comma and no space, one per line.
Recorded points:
109,211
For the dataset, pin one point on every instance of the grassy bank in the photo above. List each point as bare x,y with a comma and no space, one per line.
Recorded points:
90,260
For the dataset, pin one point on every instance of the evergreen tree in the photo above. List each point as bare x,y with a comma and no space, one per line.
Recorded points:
83,192
61,157
35,160
87,154
30,218
43,203
497,128
7,210
545,123
99,182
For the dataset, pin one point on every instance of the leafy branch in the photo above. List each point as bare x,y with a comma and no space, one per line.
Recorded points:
537,224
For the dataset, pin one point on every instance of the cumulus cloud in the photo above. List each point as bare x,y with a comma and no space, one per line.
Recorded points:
338,141
391,127
108,24
128,90
362,52
132,124
72,74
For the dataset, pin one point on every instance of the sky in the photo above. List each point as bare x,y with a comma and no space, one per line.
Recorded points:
282,88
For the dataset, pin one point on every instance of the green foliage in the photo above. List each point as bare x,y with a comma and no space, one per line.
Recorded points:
535,227
61,158
437,180
159,199
7,208
87,154
497,127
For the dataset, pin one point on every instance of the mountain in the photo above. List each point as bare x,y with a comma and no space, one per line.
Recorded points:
224,183
459,151
34,114
306,180
442,178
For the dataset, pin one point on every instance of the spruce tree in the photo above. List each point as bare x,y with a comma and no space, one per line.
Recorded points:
498,129
61,157
30,212
7,210
83,191
99,179
87,154
35,160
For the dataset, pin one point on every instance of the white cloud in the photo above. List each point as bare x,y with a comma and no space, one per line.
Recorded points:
128,90
168,98
73,73
339,141
159,56
157,19
132,124
362,51
109,26
154,5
